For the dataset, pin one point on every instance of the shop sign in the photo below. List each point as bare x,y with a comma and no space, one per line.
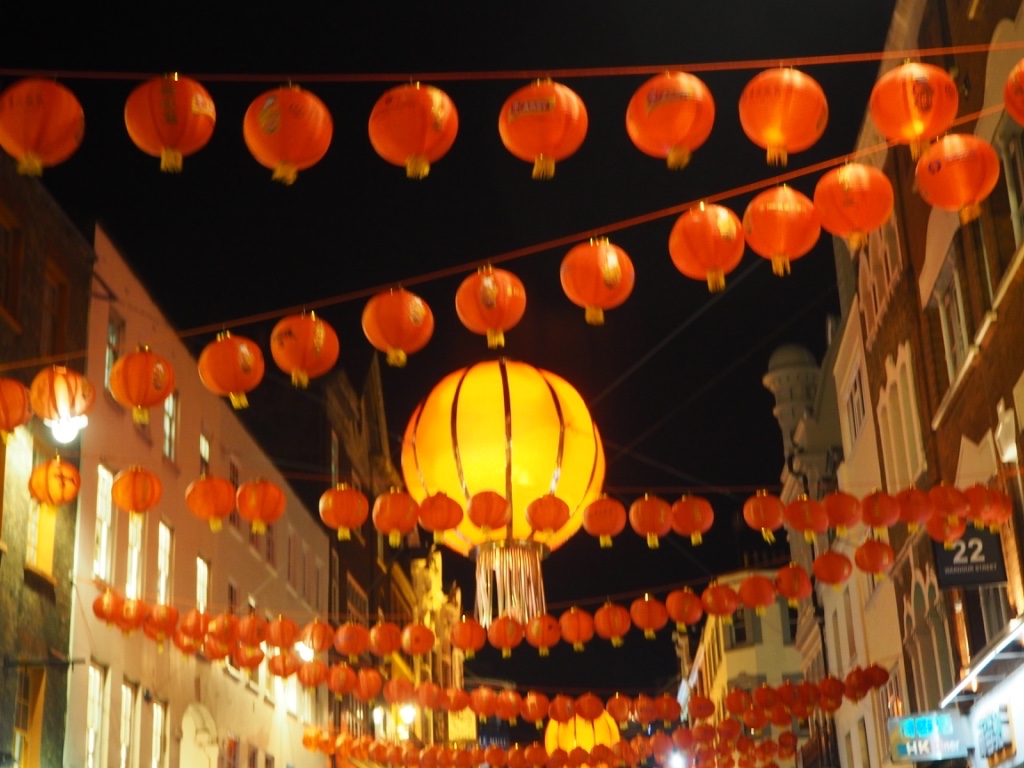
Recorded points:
974,560
927,736
993,735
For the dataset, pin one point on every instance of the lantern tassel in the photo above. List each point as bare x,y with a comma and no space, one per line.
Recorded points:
696,539
170,160
238,400
716,280
543,167
777,156
215,524
768,535
678,157
594,315
344,534
649,634
780,265
508,580
30,164
396,358
495,338
577,647
417,167
604,541
300,379
286,173
258,527
140,415
617,642
652,541
395,538
857,241
544,651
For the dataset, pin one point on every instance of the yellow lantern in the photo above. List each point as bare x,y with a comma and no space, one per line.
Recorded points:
577,732
506,427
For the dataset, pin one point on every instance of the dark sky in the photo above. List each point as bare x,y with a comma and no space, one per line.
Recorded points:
673,378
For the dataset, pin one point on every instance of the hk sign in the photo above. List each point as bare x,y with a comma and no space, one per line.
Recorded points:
927,736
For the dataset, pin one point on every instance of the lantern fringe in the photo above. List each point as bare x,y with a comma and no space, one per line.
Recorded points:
716,280
396,358
216,524
300,379
344,534
780,265
696,539
778,156
170,160
286,173
140,415
417,167
605,541
678,157
238,400
594,316
30,164
495,338
508,578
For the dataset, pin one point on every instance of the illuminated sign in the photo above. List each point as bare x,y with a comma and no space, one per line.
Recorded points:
973,560
994,736
927,736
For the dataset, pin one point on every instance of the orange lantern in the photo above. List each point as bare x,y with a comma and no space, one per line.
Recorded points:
684,607
505,633
649,614
15,406
260,503
949,502
874,556
287,130
720,600
468,635
957,173
170,117
577,627
282,632
916,507
211,498
879,511
793,583
194,624
781,225
852,201
385,638
247,656
542,632
488,511
738,701
807,516
41,124
620,708
429,694
651,516
490,302
62,397
989,507
107,606
160,623
304,346
543,123
913,103
612,622
54,482
133,615
597,275
483,700
546,515
368,684
764,512
832,567
344,508
604,518
187,645
439,513
707,243
783,110
252,629
283,664
589,707
317,635
757,592
136,490
700,707
141,380
843,510
945,529
398,323
417,639
669,709
223,627
395,514
508,704
399,690
412,126
351,639
231,366
562,708
534,708
455,699
670,116
692,516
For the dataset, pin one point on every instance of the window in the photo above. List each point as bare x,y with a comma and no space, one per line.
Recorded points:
851,643
133,575
271,542
28,716
94,716
115,344
855,405
11,249
54,312
254,756
357,606
127,722
102,554
268,761
334,587
159,739
204,454
171,426
790,621
42,525
950,304
164,543
745,629
898,422
862,743
202,583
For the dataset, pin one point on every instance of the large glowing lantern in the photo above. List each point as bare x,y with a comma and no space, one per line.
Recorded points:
913,103
412,126
543,123
62,397
304,346
781,225
397,322
707,243
783,110
141,380
490,302
232,366
41,124
853,200
288,130
171,118
505,426
670,116
597,275
577,731
957,173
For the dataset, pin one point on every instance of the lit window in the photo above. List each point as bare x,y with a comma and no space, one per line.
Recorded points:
94,716
171,426
127,723
39,537
115,345
202,583
165,540
159,740
204,454
133,575
28,716
103,546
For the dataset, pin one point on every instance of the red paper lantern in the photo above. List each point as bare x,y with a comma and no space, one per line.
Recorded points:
506,634
948,501
597,276
876,676
15,406
351,639
287,130
417,639
757,593
764,512
282,632
260,503
764,696
455,699
946,530
136,490
542,632
620,708
304,346
720,600
989,507
141,380
107,606
832,567
61,397
781,225
54,482
577,627
468,635
211,499
534,708
738,701
669,709
783,110
874,556
700,707
252,630
231,366
412,126
853,200
729,730
562,708
651,517
916,507
684,607
612,622
843,510
483,700
793,583
807,516
317,635
692,516
439,513
160,623
604,518
957,173
707,243
194,624
312,673
649,614
488,511
589,707
543,123
490,302
344,508
546,515
398,323
385,639
429,694
395,514
670,116
399,690
879,511
368,684
170,117
41,124
913,103
341,679
507,708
